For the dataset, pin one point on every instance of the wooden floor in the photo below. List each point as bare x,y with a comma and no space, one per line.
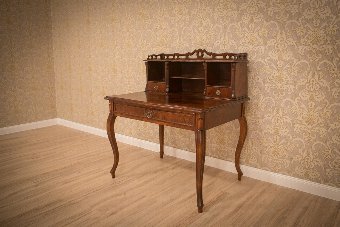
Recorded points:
59,176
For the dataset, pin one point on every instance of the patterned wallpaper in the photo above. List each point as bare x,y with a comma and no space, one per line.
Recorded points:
294,81
27,86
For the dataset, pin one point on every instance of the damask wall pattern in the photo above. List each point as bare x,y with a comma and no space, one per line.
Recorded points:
27,86
294,81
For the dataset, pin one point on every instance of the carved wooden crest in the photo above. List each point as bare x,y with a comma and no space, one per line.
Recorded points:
199,54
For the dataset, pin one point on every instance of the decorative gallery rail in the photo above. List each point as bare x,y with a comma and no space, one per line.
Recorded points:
199,54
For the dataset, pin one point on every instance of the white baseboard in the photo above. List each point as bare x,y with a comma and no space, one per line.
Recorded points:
81,127
28,126
263,175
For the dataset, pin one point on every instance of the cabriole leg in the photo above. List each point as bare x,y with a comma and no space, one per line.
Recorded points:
161,141
200,138
243,133
111,135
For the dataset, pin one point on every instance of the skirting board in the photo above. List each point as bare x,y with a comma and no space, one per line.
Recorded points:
28,126
263,175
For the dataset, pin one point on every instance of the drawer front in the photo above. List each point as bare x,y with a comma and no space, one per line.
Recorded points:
186,120
219,92
155,86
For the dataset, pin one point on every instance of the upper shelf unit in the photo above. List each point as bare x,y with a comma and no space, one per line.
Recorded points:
214,75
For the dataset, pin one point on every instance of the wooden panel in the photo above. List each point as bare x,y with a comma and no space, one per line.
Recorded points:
241,80
222,114
176,119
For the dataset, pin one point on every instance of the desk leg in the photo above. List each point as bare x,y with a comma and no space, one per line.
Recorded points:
111,134
161,141
200,138
243,133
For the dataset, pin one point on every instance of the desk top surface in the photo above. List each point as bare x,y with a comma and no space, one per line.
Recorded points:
189,102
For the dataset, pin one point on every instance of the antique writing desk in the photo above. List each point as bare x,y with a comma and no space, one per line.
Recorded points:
195,91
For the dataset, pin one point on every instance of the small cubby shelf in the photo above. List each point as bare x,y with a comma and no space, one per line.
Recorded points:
186,70
214,75
218,74
156,71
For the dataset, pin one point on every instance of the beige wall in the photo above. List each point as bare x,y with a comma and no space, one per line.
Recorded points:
293,46
294,83
27,90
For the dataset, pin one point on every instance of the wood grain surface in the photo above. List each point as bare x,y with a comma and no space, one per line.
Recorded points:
59,176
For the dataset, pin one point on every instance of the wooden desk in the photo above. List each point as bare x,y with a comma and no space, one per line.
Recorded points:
187,111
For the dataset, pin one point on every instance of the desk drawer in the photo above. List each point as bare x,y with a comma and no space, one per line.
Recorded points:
218,92
156,86
155,115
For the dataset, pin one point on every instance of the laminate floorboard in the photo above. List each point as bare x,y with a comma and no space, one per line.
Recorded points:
56,176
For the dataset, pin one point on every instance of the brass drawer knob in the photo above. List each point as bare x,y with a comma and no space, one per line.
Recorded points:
155,87
148,113
218,92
